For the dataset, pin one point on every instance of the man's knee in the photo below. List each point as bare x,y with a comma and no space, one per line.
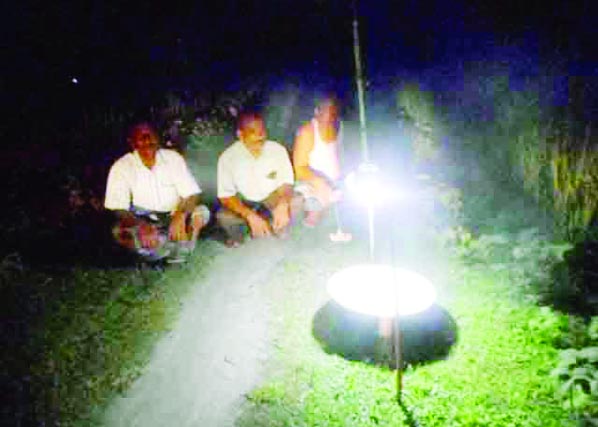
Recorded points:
124,236
200,216
313,200
129,238
297,203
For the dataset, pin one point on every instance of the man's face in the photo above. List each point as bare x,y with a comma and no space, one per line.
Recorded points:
253,132
327,112
145,142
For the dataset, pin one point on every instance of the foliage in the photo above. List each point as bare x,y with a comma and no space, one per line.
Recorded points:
574,279
89,336
417,107
495,375
531,263
573,164
578,374
197,121
577,369
92,329
78,333
513,141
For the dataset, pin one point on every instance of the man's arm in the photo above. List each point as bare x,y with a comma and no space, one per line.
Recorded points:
258,226
285,177
177,228
304,142
227,194
187,204
284,193
227,189
279,203
235,205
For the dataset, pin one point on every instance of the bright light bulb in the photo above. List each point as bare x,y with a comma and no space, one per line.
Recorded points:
367,185
381,290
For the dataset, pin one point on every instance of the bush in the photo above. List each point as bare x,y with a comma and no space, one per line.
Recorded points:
577,373
575,284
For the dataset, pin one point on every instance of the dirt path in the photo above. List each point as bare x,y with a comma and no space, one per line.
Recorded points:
218,350
199,372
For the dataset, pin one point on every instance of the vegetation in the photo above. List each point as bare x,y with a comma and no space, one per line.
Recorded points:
528,169
82,317
497,373
536,167
519,194
577,371
80,336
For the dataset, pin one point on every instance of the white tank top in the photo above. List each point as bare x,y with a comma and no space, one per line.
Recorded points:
324,156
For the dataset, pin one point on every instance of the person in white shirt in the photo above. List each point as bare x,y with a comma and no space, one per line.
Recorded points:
155,199
255,183
316,159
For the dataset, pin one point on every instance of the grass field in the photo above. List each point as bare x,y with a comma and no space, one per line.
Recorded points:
496,374
80,336
95,329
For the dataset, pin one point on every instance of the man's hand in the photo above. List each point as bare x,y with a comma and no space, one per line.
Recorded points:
259,226
177,230
280,216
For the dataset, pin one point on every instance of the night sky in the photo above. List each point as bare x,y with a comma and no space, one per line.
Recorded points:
132,51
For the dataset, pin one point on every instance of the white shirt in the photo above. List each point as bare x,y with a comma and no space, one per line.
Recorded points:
131,183
324,156
254,178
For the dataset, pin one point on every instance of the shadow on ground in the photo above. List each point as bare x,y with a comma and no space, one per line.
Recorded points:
426,337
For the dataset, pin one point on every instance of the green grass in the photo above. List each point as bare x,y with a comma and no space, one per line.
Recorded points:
497,373
98,328
96,333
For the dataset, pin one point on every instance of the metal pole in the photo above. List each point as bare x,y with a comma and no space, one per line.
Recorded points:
396,330
362,125
360,90
371,231
398,357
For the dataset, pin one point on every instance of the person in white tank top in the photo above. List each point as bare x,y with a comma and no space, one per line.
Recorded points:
316,159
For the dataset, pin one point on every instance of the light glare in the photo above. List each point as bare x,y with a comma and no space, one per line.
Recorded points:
381,290
369,187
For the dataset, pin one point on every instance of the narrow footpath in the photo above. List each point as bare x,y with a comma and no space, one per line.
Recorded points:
199,372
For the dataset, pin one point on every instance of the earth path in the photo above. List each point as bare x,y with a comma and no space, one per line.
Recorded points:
199,372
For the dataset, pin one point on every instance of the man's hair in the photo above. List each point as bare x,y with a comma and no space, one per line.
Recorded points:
248,116
325,98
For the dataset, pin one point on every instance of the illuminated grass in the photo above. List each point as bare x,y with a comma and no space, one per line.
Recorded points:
498,372
496,375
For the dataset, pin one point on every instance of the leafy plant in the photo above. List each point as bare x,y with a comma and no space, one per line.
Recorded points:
578,374
573,282
417,107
